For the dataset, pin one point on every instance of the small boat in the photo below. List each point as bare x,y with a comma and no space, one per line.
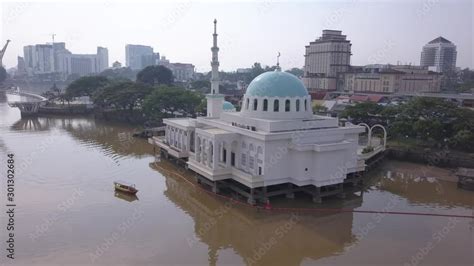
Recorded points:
127,188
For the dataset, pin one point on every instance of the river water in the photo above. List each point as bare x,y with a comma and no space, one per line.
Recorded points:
68,213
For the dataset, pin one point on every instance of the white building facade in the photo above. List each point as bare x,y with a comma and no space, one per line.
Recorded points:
56,59
274,139
439,54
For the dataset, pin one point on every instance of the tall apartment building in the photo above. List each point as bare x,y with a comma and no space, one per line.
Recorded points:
140,56
440,55
102,58
325,59
39,59
391,79
56,59
60,52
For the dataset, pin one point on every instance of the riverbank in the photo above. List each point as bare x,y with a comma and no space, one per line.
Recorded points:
132,118
446,158
76,109
73,161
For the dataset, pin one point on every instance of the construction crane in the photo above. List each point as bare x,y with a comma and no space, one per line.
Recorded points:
2,52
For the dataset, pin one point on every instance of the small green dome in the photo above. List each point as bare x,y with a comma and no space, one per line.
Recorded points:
227,106
276,84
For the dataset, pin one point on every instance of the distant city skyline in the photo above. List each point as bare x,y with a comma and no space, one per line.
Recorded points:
380,32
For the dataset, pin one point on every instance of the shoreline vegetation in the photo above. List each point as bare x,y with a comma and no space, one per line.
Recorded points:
153,96
433,131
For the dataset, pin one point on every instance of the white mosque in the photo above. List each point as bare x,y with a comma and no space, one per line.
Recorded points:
273,145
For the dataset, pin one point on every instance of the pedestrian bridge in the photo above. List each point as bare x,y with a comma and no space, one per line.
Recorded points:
30,105
370,152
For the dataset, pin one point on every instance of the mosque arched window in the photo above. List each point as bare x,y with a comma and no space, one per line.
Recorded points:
276,106
265,105
255,104
247,104
287,105
305,104
297,105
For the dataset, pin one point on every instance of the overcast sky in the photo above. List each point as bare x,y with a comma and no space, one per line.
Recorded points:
249,31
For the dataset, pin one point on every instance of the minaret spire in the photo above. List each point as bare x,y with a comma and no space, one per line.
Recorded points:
215,62
214,99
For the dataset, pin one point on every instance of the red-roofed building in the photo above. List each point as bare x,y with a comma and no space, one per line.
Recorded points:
318,95
368,98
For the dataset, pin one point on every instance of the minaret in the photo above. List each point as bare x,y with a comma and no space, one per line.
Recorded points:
214,99
215,62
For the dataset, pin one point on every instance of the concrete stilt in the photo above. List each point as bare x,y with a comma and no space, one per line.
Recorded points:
341,193
317,195
215,187
290,194
265,194
251,198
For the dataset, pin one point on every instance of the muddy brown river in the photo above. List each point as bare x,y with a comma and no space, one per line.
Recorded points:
67,212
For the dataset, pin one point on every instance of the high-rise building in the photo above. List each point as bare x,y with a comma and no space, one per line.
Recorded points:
81,64
60,52
102,58
39,59
137,56
325,59
54,58
150,60
29,56
440,55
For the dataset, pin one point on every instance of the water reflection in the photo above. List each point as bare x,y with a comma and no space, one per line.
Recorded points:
30,124
264,238
3,96
125,196
184,225
115,139
424,185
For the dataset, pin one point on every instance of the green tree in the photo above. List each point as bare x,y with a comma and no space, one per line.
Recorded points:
201,86
466,83
319,108
123,95
155,75
166,101
123,73
53,93
256,70
296,71
463,140
362,112
86,86
431,121
3,74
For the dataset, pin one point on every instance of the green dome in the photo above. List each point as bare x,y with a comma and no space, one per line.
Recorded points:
228,106
276,84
